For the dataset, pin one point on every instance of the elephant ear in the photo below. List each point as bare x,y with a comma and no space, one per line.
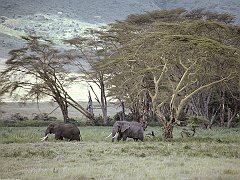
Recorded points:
125,127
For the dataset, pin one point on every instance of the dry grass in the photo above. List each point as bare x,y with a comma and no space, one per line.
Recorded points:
210,155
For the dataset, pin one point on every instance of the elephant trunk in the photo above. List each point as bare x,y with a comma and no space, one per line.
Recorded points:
46,135
47,132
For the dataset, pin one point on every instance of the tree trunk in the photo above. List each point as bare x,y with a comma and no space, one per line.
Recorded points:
231,116
90,104
210,121
222,110
63,104
229,123
123,111
103,99
64,109
135,109
104,114
65,116
167,130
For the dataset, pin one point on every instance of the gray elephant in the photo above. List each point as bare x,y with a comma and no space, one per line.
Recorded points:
125,129
63,130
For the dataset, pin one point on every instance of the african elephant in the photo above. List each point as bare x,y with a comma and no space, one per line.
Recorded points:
125,129
63,130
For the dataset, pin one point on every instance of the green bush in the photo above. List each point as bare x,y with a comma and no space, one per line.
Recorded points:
236,122
196,121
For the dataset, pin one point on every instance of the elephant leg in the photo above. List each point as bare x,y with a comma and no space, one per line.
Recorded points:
119,137
58,137
124,137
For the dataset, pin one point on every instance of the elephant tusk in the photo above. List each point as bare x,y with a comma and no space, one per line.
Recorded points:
44,138
115,135
109,135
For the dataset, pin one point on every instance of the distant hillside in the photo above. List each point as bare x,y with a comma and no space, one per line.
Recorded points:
105,11
59,19
63,19
221,6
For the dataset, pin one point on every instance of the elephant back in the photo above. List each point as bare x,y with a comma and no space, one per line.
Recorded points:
70,131
136,130
71,127
136,125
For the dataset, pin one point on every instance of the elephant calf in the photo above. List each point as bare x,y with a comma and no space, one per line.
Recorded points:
125,129
63,130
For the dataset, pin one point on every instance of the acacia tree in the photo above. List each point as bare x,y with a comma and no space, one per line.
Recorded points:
5,86
225,100
40,70
93,48
173,56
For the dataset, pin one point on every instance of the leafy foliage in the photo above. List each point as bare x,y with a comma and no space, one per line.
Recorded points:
173,55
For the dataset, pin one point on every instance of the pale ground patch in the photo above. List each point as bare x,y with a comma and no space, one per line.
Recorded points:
29,109
50,26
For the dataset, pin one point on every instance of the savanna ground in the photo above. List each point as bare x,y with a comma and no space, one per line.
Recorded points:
210,154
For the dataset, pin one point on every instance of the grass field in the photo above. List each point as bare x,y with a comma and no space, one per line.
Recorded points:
211,154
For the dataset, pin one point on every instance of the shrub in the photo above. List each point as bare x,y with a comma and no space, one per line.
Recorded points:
18,117
99,121
43,116
197,121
